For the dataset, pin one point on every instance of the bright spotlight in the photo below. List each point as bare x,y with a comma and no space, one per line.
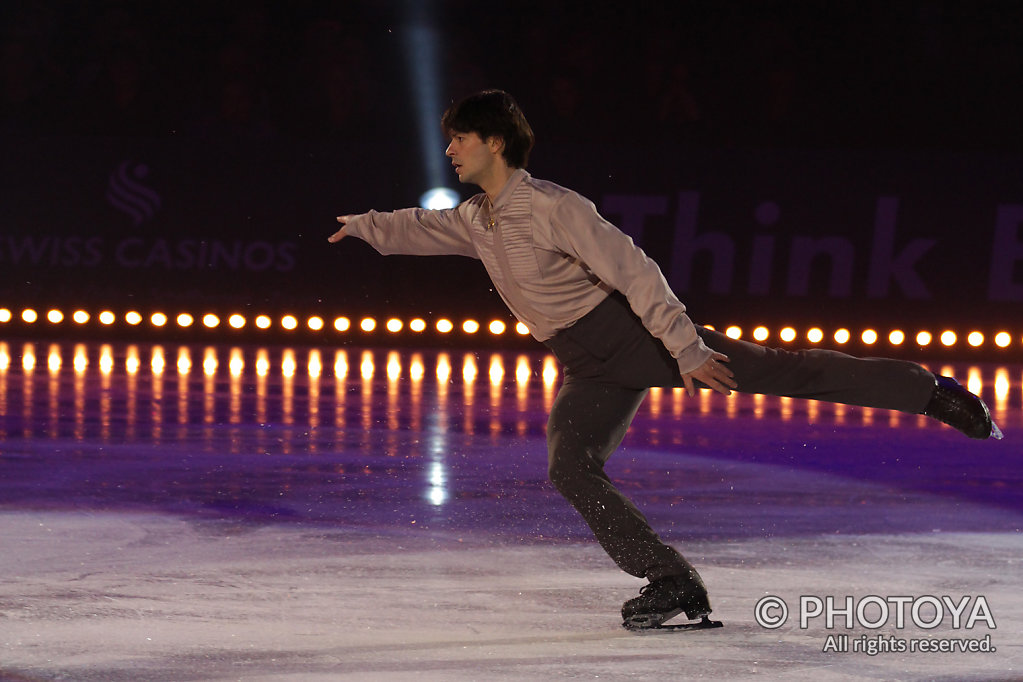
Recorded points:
289,322
368,324
158,319
421,39
497,327
55,316
439,198
394,325
948,338
236,321
869,337
210,320
444,326
315,323
105,317
263,322
924,338
788,334
470,326
80,316
761,334
1003,339
29,315
815,335
975,339
896,337
185,320
521,329
842,335
133,318
342,324
733,332
417,325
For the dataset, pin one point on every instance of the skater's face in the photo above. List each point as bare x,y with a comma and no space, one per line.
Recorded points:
475,160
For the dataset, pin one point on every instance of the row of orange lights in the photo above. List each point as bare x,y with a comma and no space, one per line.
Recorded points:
869,337
814,335
237,321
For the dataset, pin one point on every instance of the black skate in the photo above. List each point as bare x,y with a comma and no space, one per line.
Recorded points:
954,405
665,598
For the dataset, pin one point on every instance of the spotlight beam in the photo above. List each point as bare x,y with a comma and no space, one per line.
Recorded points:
421,41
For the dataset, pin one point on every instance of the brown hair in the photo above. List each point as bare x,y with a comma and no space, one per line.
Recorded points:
493,113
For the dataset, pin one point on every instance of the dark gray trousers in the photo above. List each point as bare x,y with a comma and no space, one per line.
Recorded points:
610,360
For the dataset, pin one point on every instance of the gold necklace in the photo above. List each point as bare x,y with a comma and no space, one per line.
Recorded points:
490,214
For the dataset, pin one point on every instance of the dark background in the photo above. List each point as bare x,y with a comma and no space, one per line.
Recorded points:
254,124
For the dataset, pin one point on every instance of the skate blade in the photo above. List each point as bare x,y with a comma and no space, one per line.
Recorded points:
657,624
996,432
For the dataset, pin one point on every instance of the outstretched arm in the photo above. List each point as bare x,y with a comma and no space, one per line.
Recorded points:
409,231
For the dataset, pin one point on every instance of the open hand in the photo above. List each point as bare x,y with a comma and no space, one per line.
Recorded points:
712,373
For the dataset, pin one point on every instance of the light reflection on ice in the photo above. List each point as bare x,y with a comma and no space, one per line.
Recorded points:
431,391
438,493
469,370
288,364
28,357
443,368
366,368
53,359
184,360
340,364
393,366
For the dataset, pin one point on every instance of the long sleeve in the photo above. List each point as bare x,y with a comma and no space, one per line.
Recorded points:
580,231
414,231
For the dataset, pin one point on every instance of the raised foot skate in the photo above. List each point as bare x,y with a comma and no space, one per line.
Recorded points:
658,625
954,405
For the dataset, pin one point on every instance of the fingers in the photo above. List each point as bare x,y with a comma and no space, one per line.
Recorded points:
723,381
707,380
726,375
719,372
719,387
713,375
340,234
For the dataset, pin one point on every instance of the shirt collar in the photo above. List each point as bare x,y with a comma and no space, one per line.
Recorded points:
517,177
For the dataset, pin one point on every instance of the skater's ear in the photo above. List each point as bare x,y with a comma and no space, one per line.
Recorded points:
496,144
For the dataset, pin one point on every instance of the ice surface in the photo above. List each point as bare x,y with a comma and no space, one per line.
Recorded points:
376,530
144,597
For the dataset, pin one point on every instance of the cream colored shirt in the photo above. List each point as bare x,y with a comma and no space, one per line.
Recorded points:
555,245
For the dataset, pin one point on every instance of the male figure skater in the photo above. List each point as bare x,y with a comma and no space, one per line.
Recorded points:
584,289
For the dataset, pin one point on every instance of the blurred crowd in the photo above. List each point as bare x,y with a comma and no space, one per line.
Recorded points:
915,74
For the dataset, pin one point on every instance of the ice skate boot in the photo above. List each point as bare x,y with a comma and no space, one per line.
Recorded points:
665,598
954,405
